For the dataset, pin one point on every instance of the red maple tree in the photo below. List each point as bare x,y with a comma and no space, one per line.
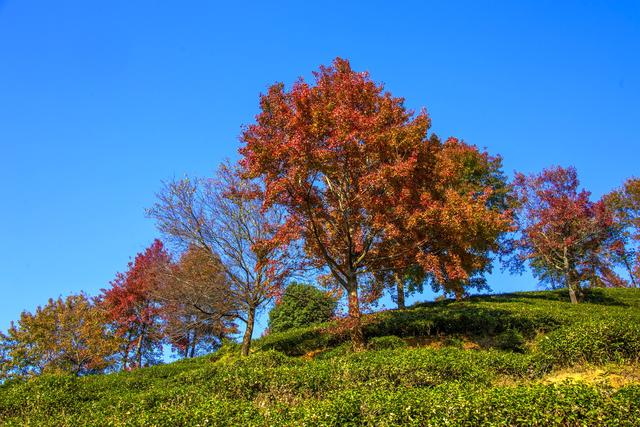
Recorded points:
561,231
364,186
132,308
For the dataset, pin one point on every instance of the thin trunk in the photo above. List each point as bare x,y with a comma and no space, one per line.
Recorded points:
187,345
572,295
139,347
400,291
567,278
125,352
630,271
193,343
246,340
357,335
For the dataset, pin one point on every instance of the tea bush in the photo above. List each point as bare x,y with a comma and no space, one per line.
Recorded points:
597,341
390,384
386,343
511,340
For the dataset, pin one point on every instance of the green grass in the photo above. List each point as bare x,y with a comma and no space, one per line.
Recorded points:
479,362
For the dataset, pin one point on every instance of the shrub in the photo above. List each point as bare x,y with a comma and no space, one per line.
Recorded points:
228,349
453,404
597,341
453,341
300,306
386,387
300,341
511,339
386,343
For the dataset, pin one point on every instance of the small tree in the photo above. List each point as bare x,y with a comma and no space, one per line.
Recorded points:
301,305
67,335
561,232
133,310
196,303
225,218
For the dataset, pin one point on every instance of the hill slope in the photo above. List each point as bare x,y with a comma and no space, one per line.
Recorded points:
518,359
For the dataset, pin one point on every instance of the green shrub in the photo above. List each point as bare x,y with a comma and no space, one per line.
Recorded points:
300,341
337,351
452,404
453,341
386,343
597,341
301,306
386,387
263,359
512,340
528,313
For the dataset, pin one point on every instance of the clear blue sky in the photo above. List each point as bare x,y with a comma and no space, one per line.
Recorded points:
100,101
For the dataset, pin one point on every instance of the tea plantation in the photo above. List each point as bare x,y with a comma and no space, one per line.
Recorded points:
518,359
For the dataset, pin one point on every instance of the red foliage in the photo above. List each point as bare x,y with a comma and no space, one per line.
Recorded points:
562,231
363,185
130,305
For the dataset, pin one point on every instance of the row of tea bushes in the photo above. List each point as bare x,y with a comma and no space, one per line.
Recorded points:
450,404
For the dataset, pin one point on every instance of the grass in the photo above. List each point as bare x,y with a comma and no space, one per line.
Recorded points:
518,359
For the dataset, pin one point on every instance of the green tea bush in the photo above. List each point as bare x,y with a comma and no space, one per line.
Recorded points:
511,339
449,404
299,341
386,343
540,405
597,341
527,314
392,385
337,351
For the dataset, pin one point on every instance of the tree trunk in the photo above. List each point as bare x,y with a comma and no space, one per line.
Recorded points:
125,352
400,291
246,340
572,295
567,278
630,271
139,347
193,343
357,335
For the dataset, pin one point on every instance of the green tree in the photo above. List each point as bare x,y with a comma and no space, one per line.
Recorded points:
301,305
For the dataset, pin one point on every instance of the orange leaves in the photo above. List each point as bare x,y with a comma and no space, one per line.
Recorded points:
67,335
367,187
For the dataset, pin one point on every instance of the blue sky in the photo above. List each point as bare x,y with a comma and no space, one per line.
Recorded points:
100,101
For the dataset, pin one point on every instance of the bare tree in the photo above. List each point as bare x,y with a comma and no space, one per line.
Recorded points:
224,217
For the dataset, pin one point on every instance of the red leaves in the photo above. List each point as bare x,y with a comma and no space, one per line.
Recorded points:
563,233
129,302
365,187
128,299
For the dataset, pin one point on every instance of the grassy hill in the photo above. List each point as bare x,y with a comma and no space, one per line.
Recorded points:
517,359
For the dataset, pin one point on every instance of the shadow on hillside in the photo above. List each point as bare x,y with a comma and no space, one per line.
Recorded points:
447,318
590,296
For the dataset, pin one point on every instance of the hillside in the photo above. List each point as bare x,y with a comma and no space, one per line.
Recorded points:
515,359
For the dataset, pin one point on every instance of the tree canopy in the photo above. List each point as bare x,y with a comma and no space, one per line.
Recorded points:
366,188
